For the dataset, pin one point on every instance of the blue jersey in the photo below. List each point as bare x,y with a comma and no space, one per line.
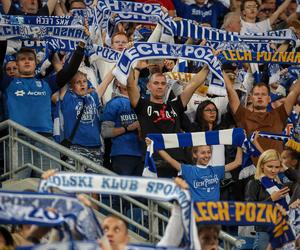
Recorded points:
119,111
211,13
29,102
88,131
204,183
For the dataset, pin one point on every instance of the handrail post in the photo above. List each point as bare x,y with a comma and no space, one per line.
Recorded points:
150,220
13,151
153,220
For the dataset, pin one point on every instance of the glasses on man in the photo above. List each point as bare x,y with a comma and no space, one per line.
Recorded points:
210,110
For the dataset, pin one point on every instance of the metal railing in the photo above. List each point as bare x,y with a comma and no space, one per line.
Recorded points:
24,152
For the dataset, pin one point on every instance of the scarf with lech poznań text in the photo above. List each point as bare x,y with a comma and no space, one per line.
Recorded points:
260,57
41,28
247,213
143,51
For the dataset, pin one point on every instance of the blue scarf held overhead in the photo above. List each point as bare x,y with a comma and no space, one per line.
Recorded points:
143,51
234,136
272,186
78,217
41,28
158,189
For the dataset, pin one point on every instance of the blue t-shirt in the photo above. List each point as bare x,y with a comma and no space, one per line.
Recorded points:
29,102
119,111
204,182
211,13
88,131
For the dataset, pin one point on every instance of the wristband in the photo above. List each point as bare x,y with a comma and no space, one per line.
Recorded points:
137,69
126,130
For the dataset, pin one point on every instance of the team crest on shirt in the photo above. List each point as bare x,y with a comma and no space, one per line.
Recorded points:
89,113
20,93
38,83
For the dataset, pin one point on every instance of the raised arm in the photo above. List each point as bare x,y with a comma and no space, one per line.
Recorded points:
237,161
279,10
69,70
233,97
193,84
6,4
132,88
292,97
51,6
174,230
101,88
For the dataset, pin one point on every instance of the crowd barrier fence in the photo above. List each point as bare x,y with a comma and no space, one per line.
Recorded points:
24,153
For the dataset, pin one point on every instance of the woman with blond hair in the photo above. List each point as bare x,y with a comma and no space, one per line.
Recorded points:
267,187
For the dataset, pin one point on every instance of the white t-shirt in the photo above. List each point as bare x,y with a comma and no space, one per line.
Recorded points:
258,27
221,103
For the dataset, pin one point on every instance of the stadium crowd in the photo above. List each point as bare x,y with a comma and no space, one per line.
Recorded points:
75,97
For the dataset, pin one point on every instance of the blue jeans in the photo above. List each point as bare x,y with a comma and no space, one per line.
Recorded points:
261,241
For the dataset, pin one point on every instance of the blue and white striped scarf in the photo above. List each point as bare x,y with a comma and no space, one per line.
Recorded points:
274,36
41,28
298,6
272,186
18,214
143,51
249,149
158,189
105,53
234,137
136,12
101,16
188,28
242,45
294,218
130,18
78,217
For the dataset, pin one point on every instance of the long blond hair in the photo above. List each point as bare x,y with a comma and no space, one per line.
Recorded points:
268,155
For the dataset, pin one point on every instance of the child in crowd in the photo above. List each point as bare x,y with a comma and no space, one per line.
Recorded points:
202,178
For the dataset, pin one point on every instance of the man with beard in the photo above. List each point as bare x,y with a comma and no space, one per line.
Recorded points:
259,119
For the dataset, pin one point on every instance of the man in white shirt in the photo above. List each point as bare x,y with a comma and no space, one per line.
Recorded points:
249,11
